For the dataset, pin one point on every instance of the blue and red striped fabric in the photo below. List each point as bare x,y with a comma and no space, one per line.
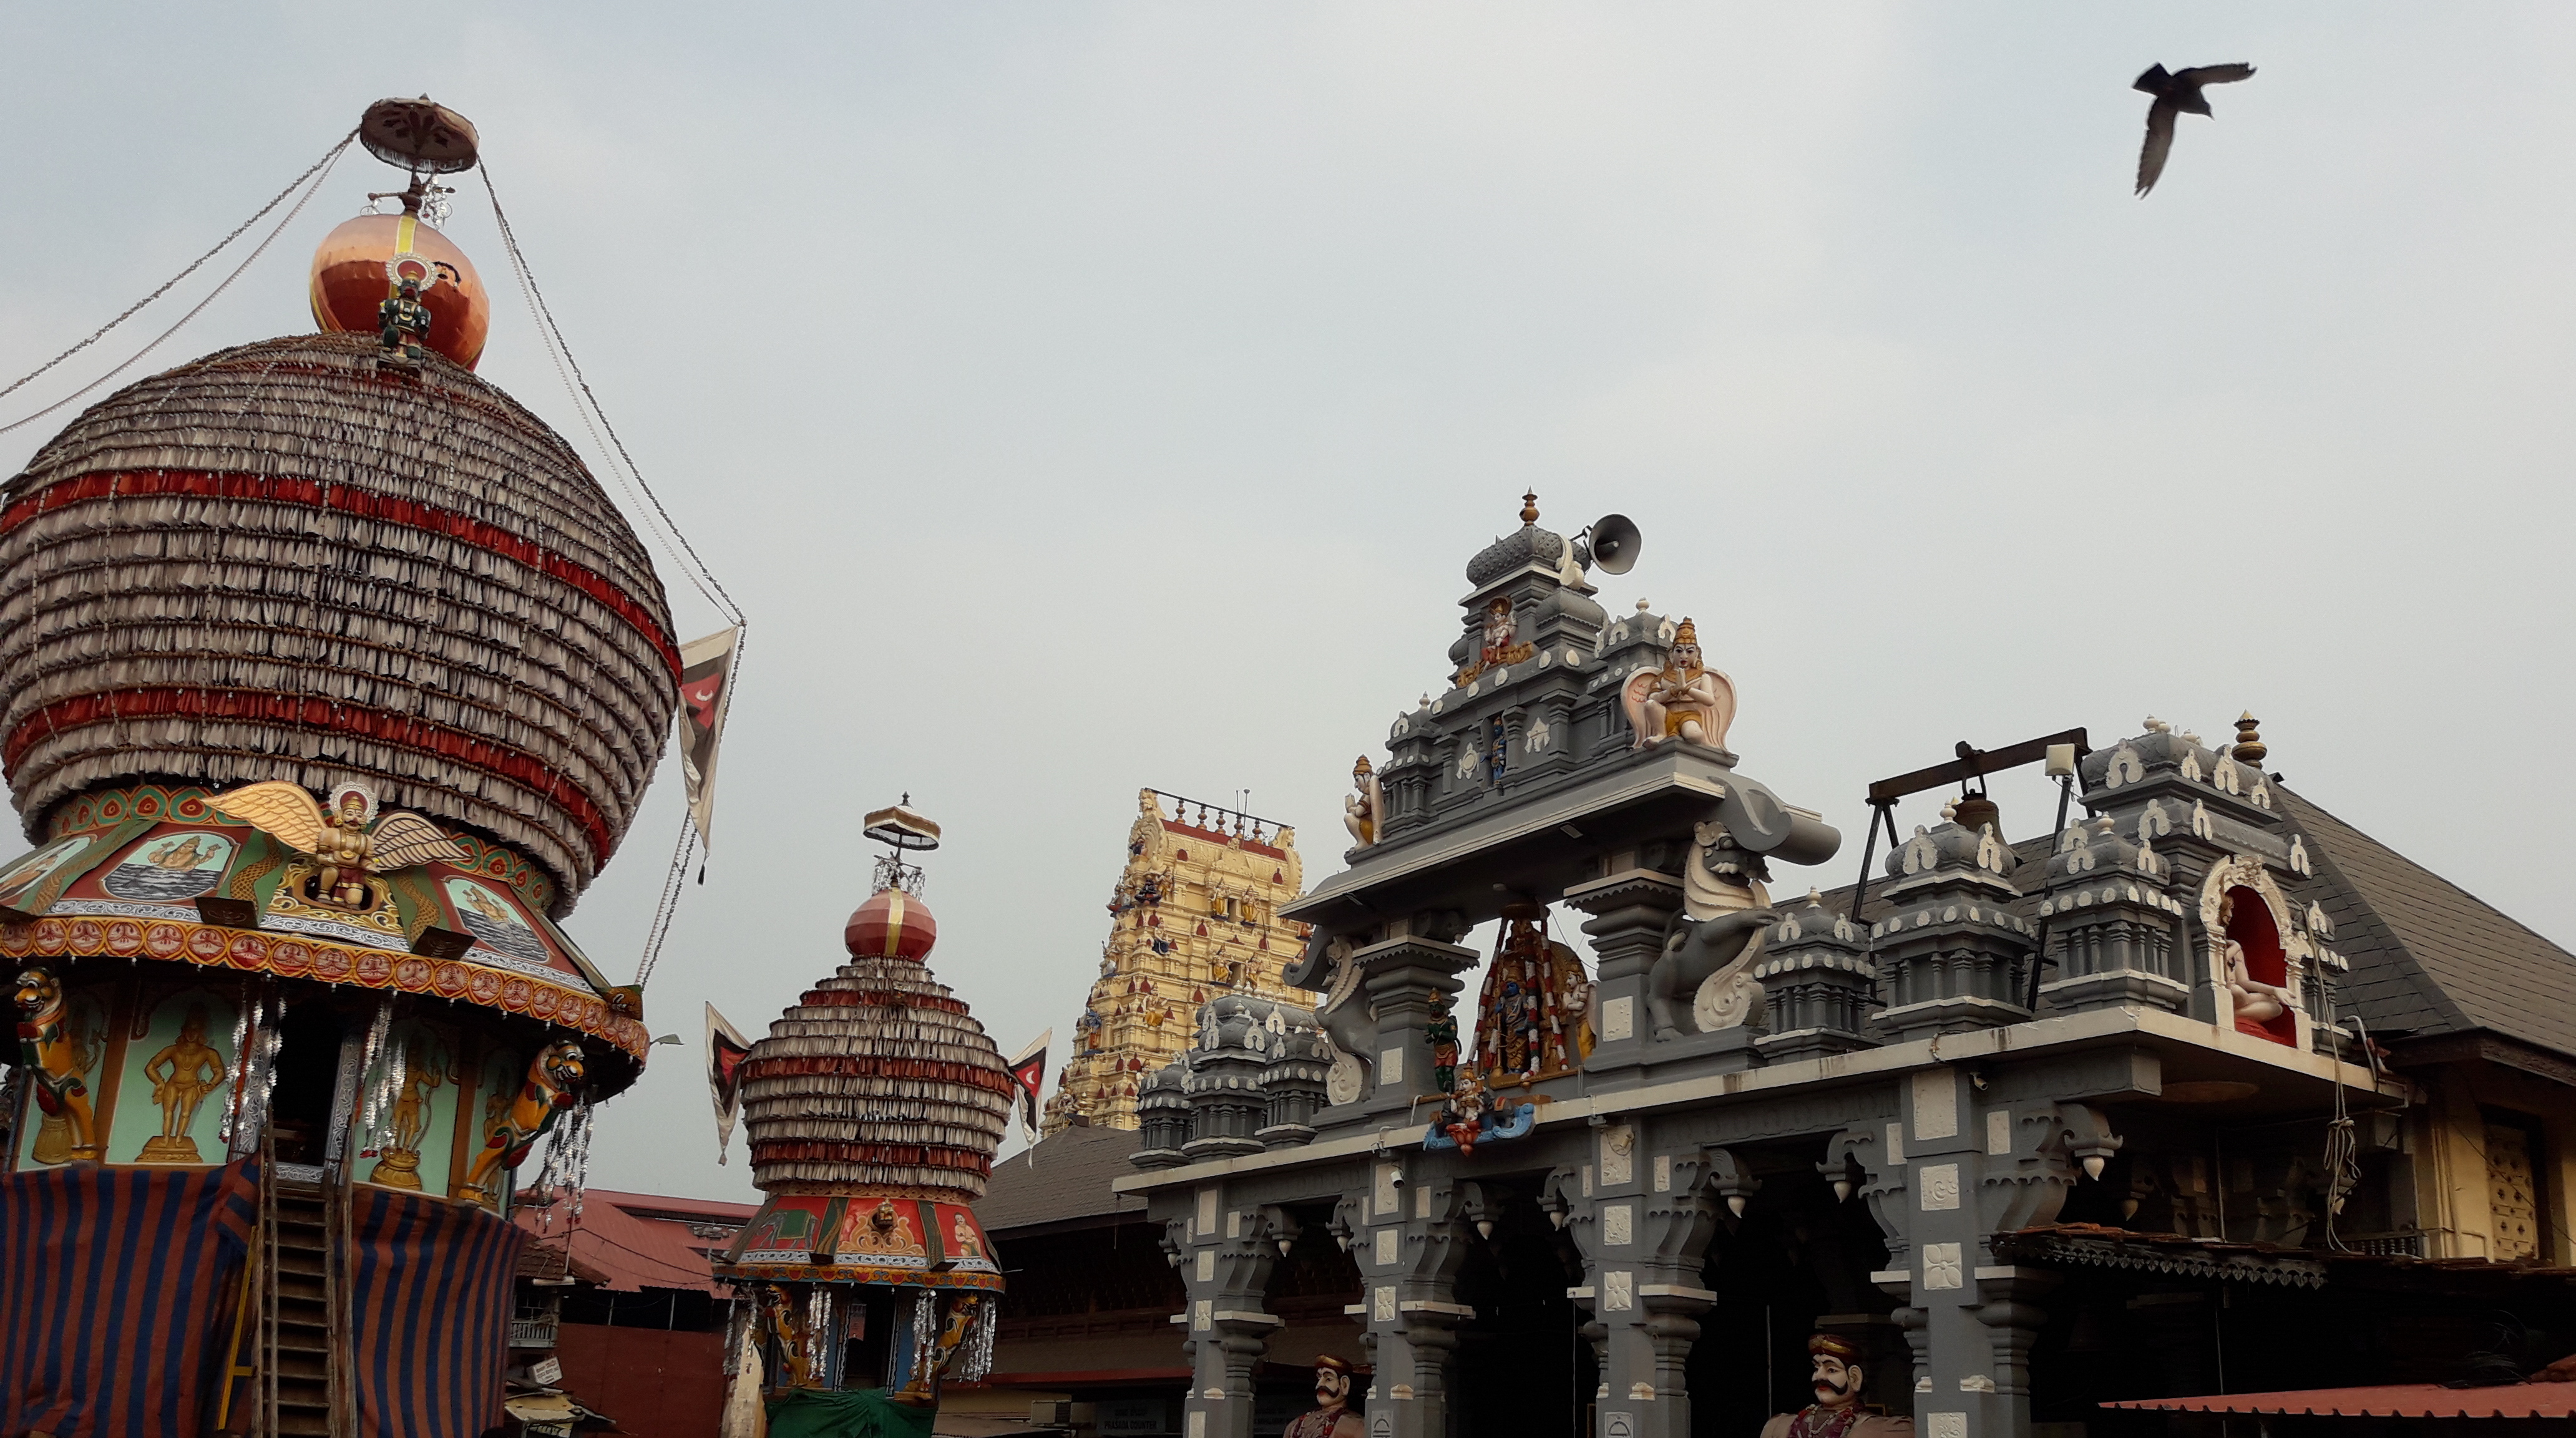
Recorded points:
111,1281
431,1288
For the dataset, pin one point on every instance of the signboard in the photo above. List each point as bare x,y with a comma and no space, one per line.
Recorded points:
546,1372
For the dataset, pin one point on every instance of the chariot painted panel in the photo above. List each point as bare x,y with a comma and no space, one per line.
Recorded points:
180,1071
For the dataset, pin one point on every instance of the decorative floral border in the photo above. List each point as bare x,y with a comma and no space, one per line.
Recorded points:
296,957
837,1273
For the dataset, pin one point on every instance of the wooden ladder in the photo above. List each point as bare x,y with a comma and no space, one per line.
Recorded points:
296,1377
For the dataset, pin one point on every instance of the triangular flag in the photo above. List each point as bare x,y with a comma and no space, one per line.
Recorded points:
706,693
726,1049
1028,1072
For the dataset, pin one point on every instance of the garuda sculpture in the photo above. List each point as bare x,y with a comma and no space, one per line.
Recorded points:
348,841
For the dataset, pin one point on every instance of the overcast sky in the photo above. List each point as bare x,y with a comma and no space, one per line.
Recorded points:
1087,397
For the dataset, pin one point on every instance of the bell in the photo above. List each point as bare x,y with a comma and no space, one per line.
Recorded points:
1735,1201
1484,1228
1556,1217
1842,1190
2093,1165
1284,1245
1975,812
1344,1240
2128,1209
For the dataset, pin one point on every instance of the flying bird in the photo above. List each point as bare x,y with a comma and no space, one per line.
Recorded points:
2175,93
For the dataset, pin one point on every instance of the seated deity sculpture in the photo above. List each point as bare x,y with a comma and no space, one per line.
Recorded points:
1365,809
2255,1001
1684,700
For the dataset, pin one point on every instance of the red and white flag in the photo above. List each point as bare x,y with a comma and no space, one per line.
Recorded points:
706,692
1028,1073
726,1049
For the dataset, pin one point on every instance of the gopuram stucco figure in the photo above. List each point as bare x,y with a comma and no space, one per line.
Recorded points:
1837,1411
2255,1002
1685,700
1705,972
1332,1417
1364,811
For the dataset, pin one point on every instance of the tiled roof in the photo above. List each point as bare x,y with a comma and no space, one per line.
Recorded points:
635,1241
2429,956
1063,1180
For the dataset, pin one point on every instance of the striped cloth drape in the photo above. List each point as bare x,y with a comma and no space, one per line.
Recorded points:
430,1293
111,1284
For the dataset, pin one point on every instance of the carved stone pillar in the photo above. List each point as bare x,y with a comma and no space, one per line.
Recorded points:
1630,911
1416,1237
1398,979
1643,1225
1942,1182
1227,1257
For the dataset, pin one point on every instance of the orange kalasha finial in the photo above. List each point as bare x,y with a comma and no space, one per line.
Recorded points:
1529,507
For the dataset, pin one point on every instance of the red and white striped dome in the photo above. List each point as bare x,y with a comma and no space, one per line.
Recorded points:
892,925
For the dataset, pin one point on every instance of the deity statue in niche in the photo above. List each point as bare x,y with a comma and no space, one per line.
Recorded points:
1529,1013
1837,1411
1494,643
1332,1416
1365,810
1685,700
424,1071
50,1051
182,1075
2257,1004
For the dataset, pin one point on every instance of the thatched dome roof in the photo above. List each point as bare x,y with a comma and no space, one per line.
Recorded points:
879,1079
291,560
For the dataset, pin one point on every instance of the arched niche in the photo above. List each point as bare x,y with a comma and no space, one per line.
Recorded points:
2240,904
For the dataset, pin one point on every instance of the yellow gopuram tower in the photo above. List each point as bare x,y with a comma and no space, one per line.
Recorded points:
1194,915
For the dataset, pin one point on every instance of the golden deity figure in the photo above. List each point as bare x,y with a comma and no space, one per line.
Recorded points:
55,1058
553,1085
346,841
483,903
1685,700
423,1073
1364,811
182,1075
182,856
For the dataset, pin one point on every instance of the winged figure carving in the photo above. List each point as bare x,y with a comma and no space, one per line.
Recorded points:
349,840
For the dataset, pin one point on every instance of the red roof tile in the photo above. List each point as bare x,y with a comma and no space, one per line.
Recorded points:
637,1240
2397,1400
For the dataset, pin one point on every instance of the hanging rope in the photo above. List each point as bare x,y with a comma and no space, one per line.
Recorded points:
319,171
668,906
596,418
639,492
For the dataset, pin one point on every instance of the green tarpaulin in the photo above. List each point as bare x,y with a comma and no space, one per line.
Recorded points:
860,1413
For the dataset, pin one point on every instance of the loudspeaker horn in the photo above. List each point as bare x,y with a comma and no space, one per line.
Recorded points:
1610,542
